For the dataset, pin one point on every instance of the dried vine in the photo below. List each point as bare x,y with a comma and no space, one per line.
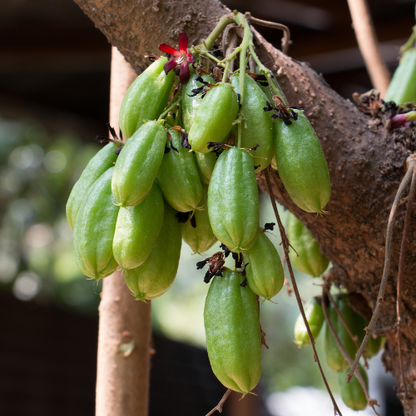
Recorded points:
411,167
285,243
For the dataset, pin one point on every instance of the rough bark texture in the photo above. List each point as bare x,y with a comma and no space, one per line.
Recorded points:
123,364
366,162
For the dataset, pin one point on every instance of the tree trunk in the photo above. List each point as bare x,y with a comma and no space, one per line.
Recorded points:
366,163
123,363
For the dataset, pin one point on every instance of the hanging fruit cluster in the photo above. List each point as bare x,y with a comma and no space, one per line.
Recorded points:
188,171
349,329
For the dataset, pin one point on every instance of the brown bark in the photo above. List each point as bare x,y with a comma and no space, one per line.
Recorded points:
365,160
124,330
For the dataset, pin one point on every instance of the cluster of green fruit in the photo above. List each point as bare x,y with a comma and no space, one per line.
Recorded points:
188,171
352,393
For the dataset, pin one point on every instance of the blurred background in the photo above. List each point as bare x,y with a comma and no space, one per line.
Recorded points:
54,94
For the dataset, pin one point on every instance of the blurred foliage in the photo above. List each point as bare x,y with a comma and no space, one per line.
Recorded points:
37,173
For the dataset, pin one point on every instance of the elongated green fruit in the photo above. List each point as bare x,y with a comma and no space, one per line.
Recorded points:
205,162
233,203
315,317
257,124
94,230
137,166
334,356
214,117
102,161
402,87
373,347
264,271
199,238
307,258
156,275
232,329
374,344
301,164
178,177
137,229
352,394
189,101
146,97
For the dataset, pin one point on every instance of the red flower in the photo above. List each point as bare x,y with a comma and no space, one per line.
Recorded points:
181,57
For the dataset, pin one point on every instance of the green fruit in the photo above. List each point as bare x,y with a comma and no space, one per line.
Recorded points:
373,344
137,229
94,230
146,97
190,104
301,164
233,204
214,117
373,347
232,328
334,356
199,238
402,88
178,176
315,317
306,255
264,271
257,124
156,275
352,394
102,161
205,162
138,163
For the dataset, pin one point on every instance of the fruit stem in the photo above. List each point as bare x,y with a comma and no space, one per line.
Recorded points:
246,43
274,86
208,43
226,70
174,103
213,58
410,43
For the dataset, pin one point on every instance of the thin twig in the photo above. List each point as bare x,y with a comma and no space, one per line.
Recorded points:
220,403
371,402
295,288
400,276
386,271
368,44
353,337
283,195
274,25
